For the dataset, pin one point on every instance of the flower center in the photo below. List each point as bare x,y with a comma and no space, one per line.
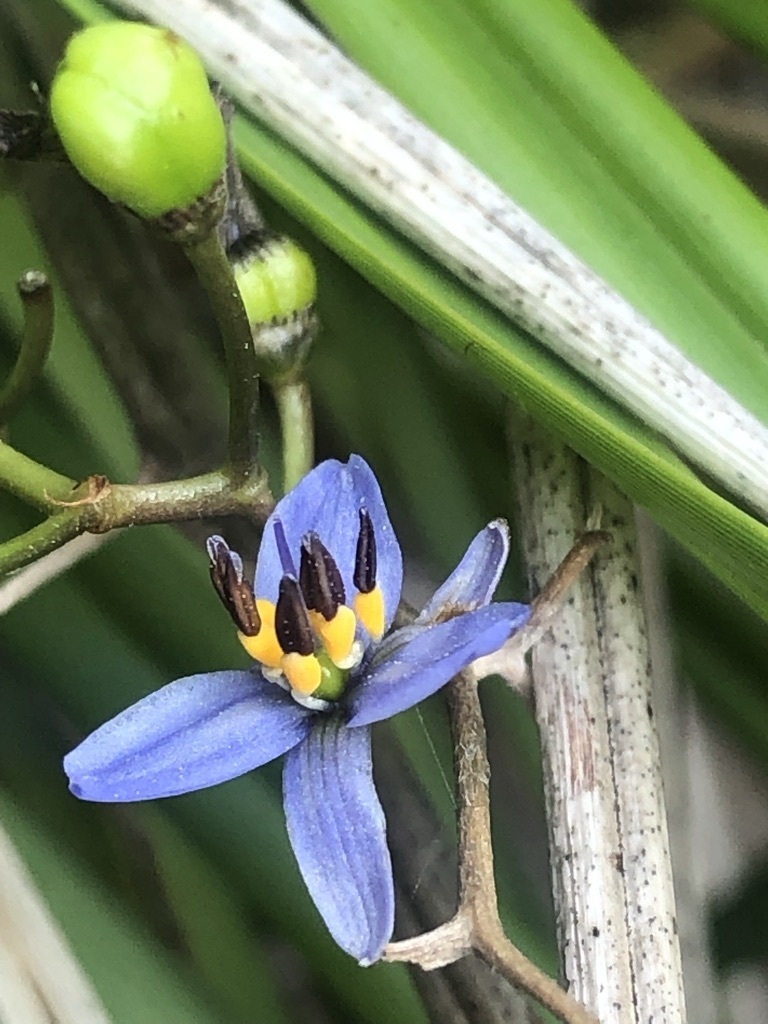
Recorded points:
307,640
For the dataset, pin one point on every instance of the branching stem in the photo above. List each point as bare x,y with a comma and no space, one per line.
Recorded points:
97,506
32,482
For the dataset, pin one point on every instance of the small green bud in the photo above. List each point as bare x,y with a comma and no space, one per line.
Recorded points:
278,286
276,280
135,114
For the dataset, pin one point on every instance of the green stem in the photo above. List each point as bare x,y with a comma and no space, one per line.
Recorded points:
108,506
294,407
32,482
212,494
37,299
213,269
39,541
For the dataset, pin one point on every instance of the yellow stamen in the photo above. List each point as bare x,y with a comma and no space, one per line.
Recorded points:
370,610
338,634
302,671
264,646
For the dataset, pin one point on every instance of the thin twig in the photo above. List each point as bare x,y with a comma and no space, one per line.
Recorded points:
295,80
424,863
509,661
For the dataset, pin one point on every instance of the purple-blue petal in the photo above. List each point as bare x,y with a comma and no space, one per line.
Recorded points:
473,582
328,501
338,833
429,659
193,733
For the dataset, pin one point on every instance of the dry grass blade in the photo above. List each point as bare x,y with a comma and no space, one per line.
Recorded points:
610,857
25,582
40,978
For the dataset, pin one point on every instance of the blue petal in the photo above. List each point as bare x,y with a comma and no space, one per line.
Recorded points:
473,582
338,833
328,501
193,733
429,659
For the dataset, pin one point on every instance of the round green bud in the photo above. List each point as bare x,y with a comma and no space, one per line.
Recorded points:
276,280
278,286
136,116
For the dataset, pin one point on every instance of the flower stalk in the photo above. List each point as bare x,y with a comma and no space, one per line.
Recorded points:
37,301
294,407
476,877
277,284
215,274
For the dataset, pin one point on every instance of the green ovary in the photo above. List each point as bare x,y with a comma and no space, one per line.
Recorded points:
334,679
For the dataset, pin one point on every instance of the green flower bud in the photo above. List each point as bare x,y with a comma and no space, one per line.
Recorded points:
278,285
276,280
135,114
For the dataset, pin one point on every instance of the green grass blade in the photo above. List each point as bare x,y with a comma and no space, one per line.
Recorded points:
134,976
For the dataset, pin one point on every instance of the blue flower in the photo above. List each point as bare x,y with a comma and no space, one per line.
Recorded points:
317,621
